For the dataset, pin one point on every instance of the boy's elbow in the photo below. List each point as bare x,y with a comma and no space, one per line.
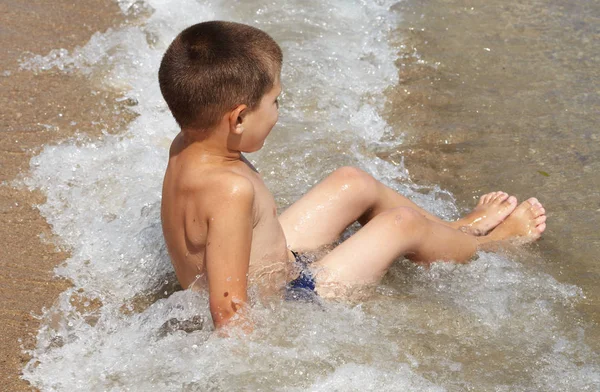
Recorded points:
221,317
226,313
223,325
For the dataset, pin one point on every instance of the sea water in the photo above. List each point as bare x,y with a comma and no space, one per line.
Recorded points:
498,323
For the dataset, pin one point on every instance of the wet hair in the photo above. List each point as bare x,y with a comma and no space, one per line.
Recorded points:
212,67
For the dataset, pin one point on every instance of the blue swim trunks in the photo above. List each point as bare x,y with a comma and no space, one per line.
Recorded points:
303,287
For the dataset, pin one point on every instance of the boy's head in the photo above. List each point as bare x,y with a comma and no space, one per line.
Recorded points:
212,67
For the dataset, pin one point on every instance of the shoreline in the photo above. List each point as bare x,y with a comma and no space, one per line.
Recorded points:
38,109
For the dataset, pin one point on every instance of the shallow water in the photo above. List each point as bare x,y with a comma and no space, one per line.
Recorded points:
504,95
499,323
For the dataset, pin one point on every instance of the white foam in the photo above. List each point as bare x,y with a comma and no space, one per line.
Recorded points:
353,377
103,200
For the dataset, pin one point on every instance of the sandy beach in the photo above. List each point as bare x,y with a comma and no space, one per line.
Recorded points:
37,110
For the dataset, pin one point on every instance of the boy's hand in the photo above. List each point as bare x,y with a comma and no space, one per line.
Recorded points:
228,248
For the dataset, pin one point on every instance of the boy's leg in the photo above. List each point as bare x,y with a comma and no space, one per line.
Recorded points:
350,194
366,256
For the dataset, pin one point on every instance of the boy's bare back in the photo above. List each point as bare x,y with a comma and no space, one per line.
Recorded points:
213,202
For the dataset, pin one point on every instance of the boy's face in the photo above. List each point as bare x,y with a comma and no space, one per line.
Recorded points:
258,123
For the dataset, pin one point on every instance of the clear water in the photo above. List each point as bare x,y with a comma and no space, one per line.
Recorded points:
495,324
498,94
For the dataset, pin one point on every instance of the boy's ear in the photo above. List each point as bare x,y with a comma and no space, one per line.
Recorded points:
236,117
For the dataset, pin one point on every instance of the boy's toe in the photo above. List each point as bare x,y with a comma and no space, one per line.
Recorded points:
500,197
535,211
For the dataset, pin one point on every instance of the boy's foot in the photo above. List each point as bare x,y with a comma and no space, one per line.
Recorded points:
491,210
525,224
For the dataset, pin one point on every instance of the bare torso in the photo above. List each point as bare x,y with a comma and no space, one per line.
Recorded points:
185,219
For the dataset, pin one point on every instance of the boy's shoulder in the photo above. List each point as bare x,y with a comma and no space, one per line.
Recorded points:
217,187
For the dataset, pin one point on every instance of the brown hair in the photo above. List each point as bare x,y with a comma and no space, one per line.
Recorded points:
212,67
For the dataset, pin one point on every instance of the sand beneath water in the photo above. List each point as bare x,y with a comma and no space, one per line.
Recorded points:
37,110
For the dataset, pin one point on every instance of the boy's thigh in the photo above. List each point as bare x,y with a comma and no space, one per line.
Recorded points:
320,216
367,255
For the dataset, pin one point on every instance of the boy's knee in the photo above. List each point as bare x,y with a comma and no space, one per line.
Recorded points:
404,219
352,177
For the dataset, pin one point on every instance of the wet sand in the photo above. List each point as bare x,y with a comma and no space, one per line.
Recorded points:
497,95
37,110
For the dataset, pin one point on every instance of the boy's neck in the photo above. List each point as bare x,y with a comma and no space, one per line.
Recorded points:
212,144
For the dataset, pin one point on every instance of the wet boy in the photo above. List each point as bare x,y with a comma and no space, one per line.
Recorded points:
221,83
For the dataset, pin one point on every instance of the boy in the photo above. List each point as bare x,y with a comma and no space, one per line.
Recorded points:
221,83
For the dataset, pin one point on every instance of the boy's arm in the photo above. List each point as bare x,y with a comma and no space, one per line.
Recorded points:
228,247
